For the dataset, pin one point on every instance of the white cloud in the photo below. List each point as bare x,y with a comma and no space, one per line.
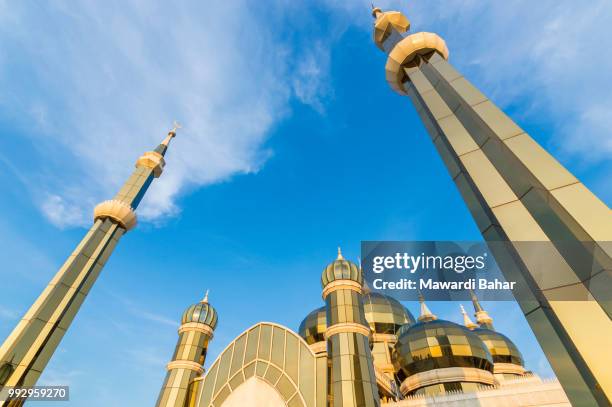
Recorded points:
100,84
95,86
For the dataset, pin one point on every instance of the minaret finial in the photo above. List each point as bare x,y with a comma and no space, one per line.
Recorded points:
466,319
206,297
426,314
163,146
340,254
172,133
375,11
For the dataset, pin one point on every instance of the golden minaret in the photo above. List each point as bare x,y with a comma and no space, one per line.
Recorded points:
352,380
27,350
547,231
196,330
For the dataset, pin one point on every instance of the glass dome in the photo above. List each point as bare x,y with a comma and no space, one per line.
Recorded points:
384,314
502,349
341,269
439,344
202,313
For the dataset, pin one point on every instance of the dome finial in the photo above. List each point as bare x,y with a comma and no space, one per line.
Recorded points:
340,254
466,319
206,297
426,314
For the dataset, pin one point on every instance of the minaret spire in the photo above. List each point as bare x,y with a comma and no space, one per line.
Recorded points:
163,146
426,314
466,319
27,350
205,300
482,316
475,302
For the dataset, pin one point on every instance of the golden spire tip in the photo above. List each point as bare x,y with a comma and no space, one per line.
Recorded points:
206,297
375,10
172,133
340,254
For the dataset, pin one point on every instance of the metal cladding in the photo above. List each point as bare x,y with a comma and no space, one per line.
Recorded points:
352,380
518,193
195,333
27,350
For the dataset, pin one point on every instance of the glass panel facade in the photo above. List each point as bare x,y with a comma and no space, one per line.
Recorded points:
274,354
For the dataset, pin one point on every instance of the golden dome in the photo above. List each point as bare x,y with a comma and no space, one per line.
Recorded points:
341,269
439,344
313,327
502,349
384,314
202,313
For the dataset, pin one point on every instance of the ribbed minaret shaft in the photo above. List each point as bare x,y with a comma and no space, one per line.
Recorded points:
195,332
27,350
352,381
518,194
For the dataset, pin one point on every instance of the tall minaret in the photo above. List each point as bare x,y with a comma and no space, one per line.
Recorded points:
196,330
352,380
518,194
25,353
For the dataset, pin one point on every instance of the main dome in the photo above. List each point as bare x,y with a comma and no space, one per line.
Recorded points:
439,344
384,314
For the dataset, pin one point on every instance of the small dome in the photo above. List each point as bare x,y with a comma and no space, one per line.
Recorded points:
202,313
313,327
438,344
385,314
502,349
341,269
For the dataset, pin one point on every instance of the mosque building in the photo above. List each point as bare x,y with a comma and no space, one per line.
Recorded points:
361,348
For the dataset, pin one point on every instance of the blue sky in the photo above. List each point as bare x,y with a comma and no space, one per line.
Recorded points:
292,145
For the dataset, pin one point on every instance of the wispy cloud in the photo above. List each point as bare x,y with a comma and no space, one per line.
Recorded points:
54,377
98,85
141,313
7,313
